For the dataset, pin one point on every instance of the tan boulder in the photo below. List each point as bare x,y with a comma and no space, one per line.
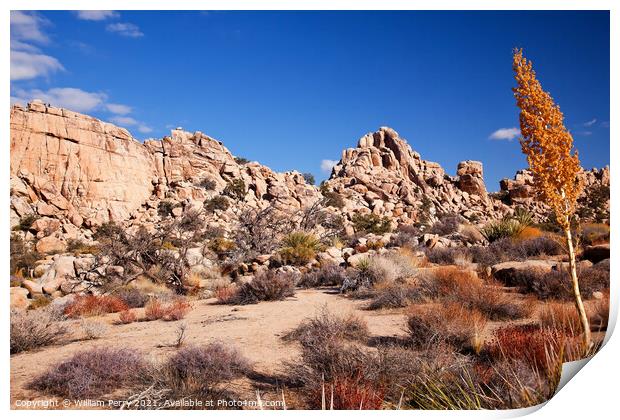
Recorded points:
19,298
50,245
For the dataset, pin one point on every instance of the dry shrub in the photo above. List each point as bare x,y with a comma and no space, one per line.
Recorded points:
92,330
392,267
556,284
226,295
326,275
393,295
92,373
91,305
330,327
594,233
171,310
195,369
34,329
134,298
266,286
451,284
562,317
447,256
529,232
127,317
451,323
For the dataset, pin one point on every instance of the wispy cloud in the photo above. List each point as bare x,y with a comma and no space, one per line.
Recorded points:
27,61
327,165
96,14
119,109
505,134
71,98
131,122
125,29
584,133
590,123
27,26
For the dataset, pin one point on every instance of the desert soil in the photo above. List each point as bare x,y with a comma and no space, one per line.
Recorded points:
256,330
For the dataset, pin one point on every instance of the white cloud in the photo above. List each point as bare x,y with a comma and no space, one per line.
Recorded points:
26,26
123,120
505,134
129,121
70,98
327,165
27,62
28,65
119,109
96,14
125,29
590,123
144,128
584,133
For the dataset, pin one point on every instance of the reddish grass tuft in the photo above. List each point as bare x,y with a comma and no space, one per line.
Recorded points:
90,305
349,392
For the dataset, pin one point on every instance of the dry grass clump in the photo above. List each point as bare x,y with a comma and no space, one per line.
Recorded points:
266,286
34,329
92,373
562,317
541,348
326,275
167,310
91,305
452,323
330,326
92,330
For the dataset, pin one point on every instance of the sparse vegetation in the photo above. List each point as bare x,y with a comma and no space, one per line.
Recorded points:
172,309
33,329
91,305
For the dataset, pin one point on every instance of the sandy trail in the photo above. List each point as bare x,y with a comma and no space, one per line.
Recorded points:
256,330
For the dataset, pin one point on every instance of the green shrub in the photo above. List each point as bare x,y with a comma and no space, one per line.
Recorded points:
309,178
216,203
371,223
299,248
235,189
241,160
208,184
22,256
505,228
164,209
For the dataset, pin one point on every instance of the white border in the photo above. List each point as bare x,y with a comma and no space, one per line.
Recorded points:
591,395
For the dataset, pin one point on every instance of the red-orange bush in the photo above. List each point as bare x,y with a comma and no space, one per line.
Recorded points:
168,311
127,317
226,294
90,305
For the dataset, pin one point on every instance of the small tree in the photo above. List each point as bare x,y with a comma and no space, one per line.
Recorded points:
549,149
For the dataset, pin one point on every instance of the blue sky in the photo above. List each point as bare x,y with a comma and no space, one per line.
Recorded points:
293,89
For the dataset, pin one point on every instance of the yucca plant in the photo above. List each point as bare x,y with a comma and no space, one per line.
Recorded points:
505,228
299,248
